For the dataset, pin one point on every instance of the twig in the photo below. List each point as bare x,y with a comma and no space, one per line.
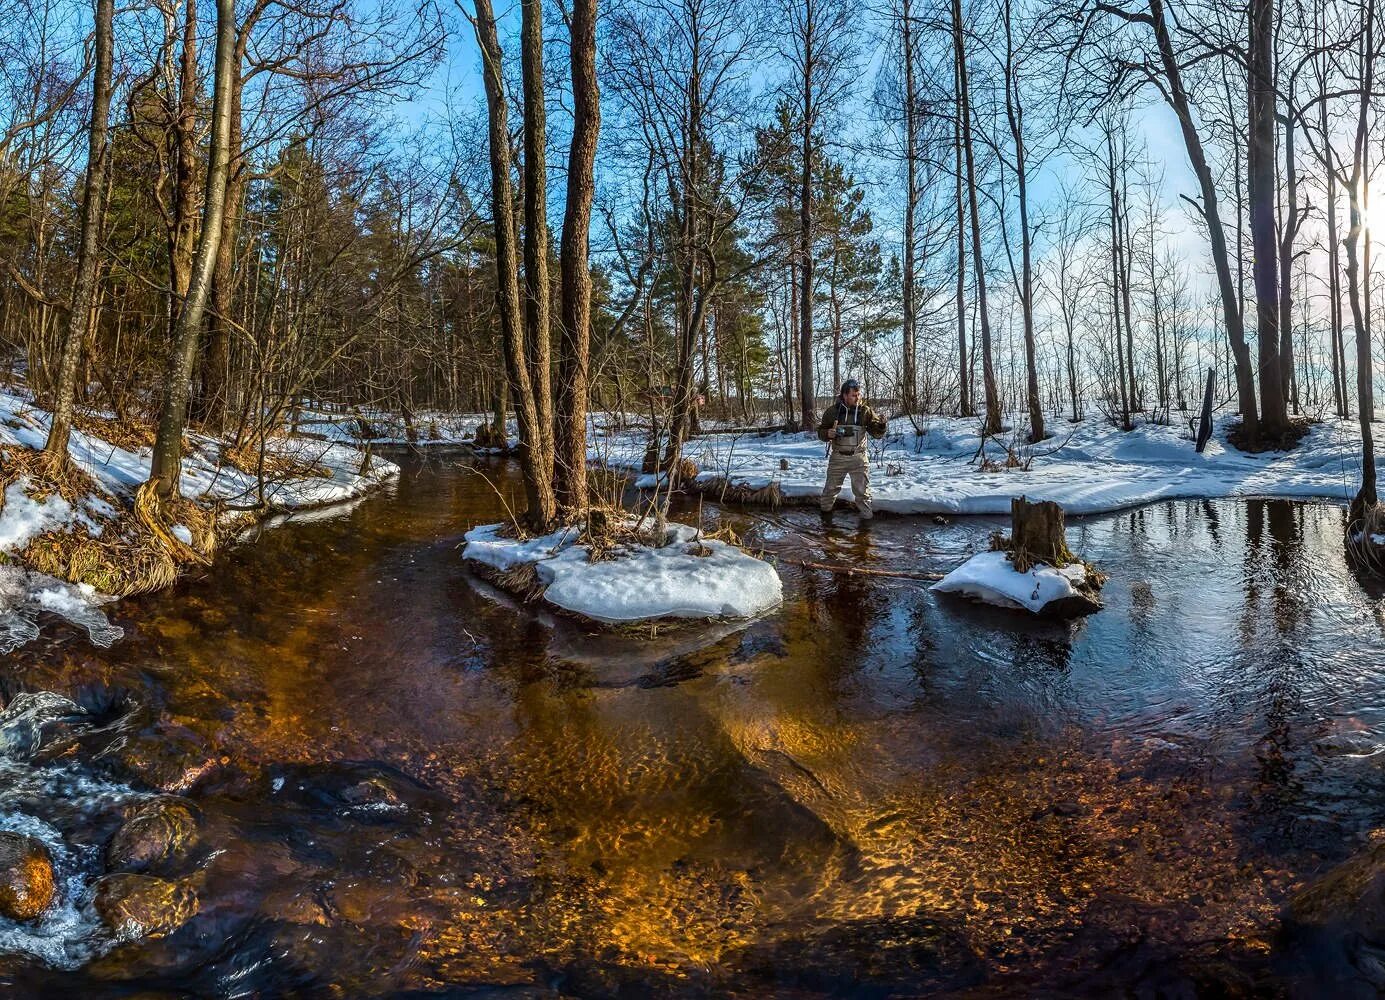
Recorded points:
865,571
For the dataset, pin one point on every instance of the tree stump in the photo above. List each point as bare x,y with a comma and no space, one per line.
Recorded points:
1038,538
1038,535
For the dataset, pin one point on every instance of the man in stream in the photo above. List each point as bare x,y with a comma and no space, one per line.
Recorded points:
844,427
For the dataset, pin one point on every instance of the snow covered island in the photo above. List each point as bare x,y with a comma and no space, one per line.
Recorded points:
1032,570
992,578
636,578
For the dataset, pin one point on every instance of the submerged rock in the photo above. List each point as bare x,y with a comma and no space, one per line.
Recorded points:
26,876
142,906
165,756
360,790
159,831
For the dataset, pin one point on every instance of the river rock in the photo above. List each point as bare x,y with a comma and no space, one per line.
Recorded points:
159,831
26,876
165,756
142,906
362,790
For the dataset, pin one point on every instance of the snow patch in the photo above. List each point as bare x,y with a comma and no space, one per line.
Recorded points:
24,518
992,578
687,577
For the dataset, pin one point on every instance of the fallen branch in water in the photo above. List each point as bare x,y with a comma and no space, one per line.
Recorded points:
865,571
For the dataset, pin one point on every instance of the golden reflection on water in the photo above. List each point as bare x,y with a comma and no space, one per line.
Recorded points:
853,761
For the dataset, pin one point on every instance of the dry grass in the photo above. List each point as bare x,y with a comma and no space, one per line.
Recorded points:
44,475
158,515
135,553
245,457
521,581
1024,561
1363,549
725,491
127,557
126,434
114,563
609,530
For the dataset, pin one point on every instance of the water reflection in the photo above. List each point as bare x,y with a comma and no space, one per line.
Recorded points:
872,786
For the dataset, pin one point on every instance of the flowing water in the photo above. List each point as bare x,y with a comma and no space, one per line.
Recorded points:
407,784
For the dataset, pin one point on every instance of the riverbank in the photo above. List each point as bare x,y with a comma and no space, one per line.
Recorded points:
942,465
71,544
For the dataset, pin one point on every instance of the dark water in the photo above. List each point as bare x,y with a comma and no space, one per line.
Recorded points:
876,791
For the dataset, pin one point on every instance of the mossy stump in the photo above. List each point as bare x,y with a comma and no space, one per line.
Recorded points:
1038,536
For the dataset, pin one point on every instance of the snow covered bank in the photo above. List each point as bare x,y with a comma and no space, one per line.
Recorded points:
42,528
1090,467
369,425
685,577
992,578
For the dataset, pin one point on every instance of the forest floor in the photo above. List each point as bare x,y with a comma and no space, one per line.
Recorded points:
942,465
64,547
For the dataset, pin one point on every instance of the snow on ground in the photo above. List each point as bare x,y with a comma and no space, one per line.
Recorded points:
431,427
1088,468
991,577
118,473
642,582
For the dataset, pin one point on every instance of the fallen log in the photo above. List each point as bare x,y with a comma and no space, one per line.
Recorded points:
864,570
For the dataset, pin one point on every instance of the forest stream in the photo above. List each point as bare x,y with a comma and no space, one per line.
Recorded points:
404,784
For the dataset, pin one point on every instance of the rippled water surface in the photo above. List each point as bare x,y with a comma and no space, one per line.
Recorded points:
875,791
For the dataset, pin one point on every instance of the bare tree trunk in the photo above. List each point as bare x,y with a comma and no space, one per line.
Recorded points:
1231,312
574,348
1288,230
181,244
1366,497
1334,285
1125,259
88,252
1014,113
993,417
1116,272
965,407
538,486
910,393
807,402
213,397
166,466
537,301
1260,174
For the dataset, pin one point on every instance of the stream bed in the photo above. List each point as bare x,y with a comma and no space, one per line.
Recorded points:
404,784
